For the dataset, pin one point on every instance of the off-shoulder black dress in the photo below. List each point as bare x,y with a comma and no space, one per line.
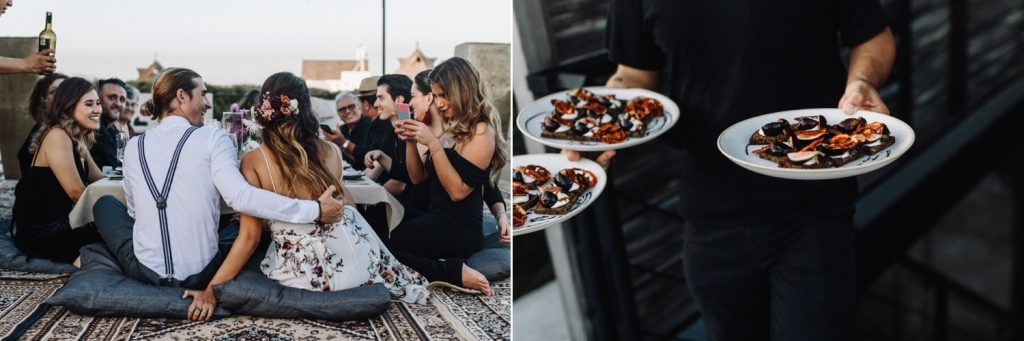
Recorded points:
439,242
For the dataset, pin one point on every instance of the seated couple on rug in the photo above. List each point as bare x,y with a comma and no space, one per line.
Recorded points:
176,173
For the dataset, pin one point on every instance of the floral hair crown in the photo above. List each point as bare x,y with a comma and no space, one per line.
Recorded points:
274,108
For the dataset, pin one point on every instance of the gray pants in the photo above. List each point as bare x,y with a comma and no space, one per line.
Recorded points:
115,227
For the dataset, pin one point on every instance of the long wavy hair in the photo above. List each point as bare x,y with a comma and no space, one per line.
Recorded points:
37,102
61,113
470,104
294,140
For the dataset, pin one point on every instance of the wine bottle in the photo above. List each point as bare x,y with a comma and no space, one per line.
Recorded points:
48,39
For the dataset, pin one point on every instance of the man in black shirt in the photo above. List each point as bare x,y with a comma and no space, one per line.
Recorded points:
112,99
389,160
765,258
355,127
376,133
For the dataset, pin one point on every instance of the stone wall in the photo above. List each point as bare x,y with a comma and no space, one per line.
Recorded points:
494,62
14,92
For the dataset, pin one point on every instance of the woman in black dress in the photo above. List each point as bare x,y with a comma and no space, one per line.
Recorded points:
416,199
42,96
471,152
60,169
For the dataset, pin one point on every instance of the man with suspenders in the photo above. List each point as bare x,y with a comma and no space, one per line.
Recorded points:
174,177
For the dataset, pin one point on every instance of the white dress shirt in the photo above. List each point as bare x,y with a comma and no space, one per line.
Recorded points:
207,170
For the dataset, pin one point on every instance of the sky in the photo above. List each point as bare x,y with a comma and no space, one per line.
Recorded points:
245,41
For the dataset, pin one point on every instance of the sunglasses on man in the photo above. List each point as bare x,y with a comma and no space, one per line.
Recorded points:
350,107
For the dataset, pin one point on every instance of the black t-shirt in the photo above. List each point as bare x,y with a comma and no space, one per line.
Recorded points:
379,136
723,61
357,136
104,150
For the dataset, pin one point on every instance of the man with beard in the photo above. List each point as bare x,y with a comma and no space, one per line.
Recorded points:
112,99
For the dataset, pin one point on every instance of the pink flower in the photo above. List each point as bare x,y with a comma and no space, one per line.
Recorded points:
286,111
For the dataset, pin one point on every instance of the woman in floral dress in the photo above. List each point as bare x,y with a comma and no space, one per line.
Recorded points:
293,161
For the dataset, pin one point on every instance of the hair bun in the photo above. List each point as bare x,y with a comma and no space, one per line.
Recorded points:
149,109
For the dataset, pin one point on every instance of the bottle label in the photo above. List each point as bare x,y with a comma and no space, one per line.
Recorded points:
44,44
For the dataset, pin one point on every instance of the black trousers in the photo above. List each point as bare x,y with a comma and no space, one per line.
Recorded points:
785,282
435,247
57,242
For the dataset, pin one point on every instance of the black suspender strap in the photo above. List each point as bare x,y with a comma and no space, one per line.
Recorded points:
161,195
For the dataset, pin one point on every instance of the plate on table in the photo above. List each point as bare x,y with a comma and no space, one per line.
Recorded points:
554,163
351,175
734,143
531,119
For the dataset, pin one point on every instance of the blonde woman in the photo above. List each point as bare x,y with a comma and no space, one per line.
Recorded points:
59,171
471,152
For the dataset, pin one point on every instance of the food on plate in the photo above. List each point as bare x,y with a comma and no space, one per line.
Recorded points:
554,200
585,116
518,216
521,195
810,143
531,175
556,195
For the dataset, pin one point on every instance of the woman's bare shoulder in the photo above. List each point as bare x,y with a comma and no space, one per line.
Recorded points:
56,137
483,128
251,159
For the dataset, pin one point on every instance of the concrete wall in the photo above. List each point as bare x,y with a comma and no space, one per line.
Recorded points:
493,61
14,92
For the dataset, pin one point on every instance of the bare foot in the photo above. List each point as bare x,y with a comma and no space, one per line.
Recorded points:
473,279
78,262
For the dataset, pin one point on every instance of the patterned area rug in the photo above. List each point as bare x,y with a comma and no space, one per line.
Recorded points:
20,298
452,315
482,317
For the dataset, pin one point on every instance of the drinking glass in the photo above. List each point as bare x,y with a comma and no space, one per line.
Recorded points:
122,141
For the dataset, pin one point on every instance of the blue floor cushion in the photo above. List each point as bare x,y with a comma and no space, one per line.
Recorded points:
100,288
252,293
494,260
12,259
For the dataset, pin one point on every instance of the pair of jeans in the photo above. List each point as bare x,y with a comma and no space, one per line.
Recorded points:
792,281
115,226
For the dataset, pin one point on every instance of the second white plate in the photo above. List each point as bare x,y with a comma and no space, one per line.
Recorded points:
554,163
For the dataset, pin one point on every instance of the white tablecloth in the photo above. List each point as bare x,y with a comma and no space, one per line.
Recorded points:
363,191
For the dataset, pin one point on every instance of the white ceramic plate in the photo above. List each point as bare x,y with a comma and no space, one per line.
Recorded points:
554,163
530,119
733,144
351,174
